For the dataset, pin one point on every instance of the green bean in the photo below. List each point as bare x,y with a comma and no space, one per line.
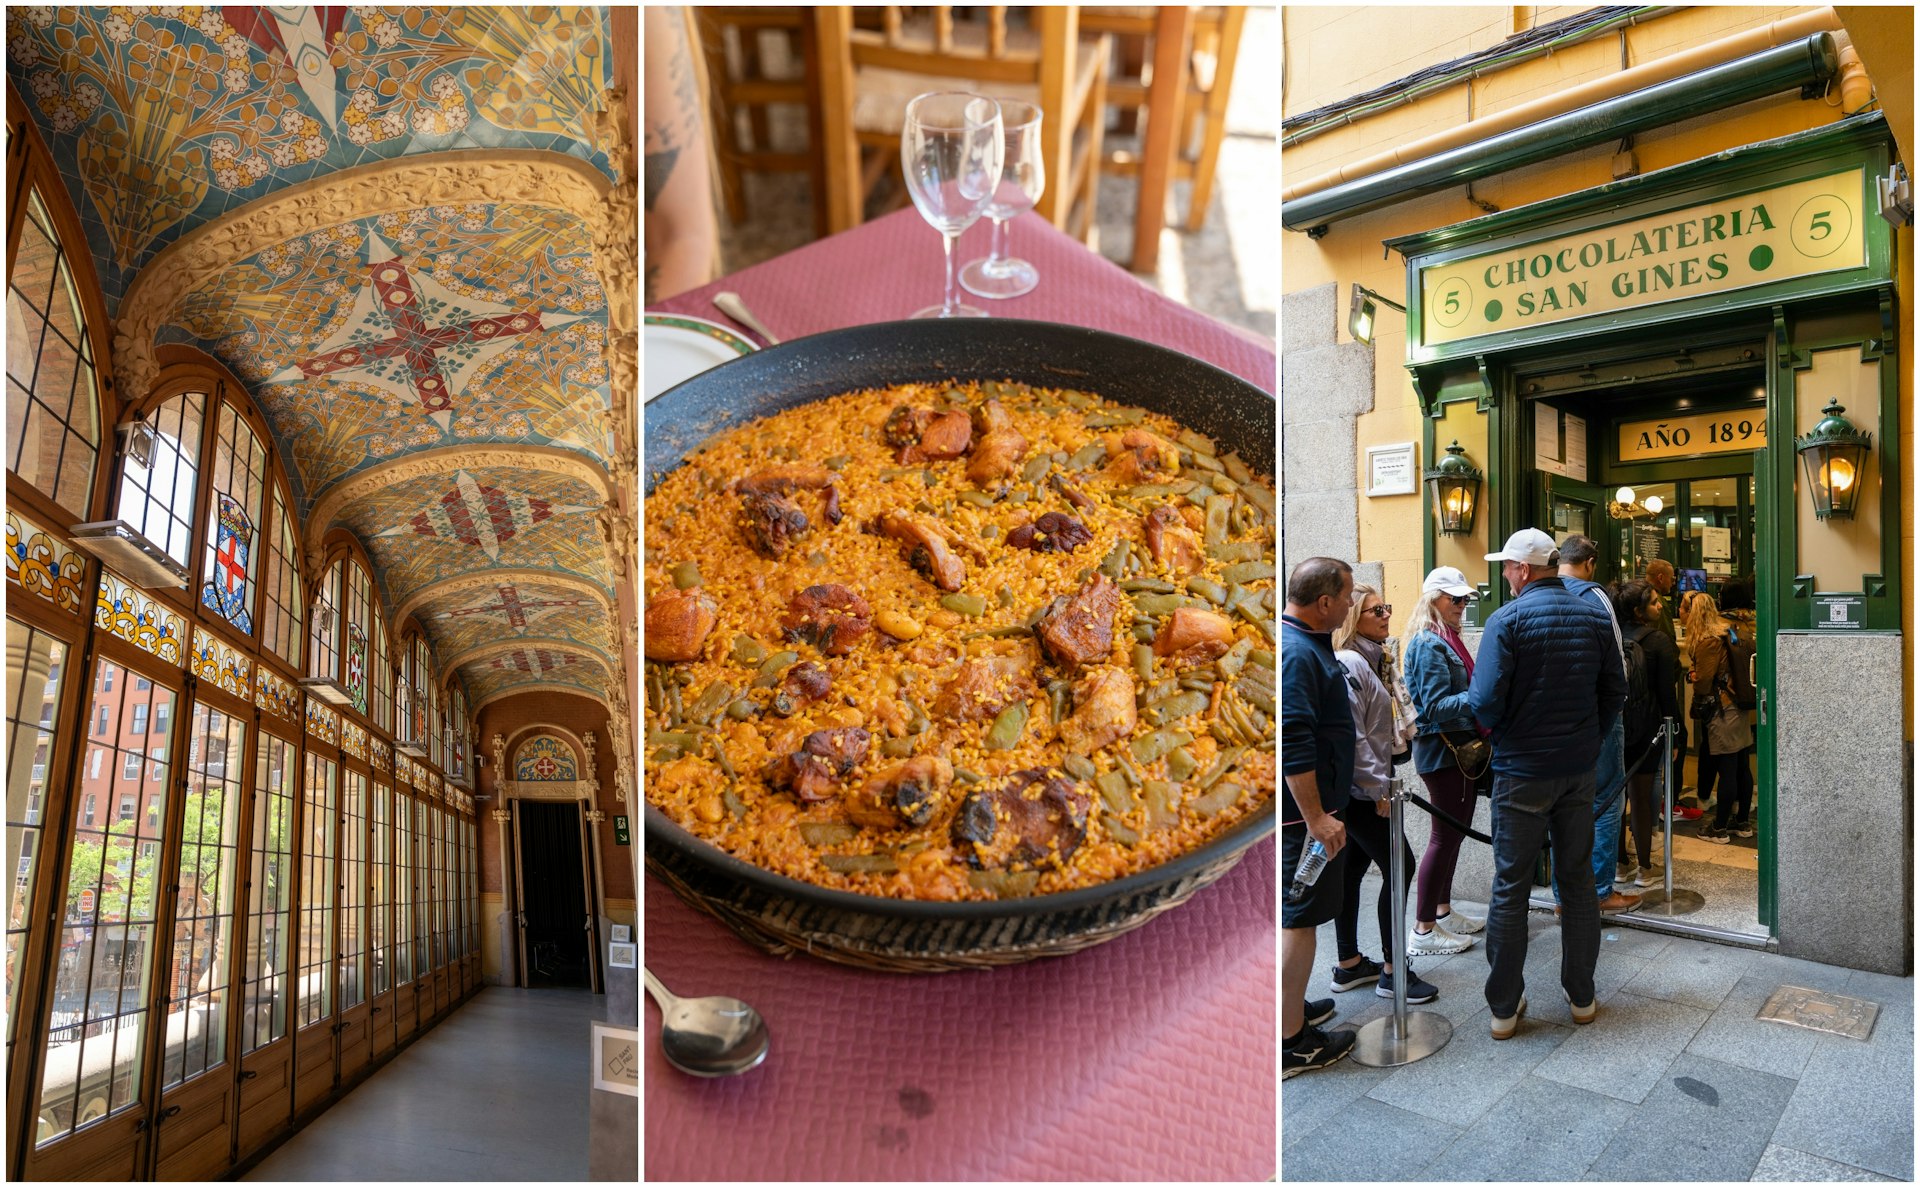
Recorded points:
681,676
740,710
772,668
1147,586
1199,443
1262,657
816,558
1005,884
894,472
1133,777
1163,803
1079,766
1117,557
1223,797
1011,631
859,863
976,498
685,575
1078,399
965,604
1143,632
837,462
1143,661
709,702
748,650
1247,572
1265,627
1105,421
1197,679
1149,747
1158,604
675,714
956,396
731,799
1238,550
1004,734
1034,616
1259,496
899,748
1087,456
1221,767
1156,490
666,754
1018,495
1222,732
967,775
1237,469
1113,789
1036,469
1253,694
656,690
989,531
1174,708
720,757
1181,763
1229,665
1208,462
916,717
1220,484
1237,594
930,478
1219,507
1213,592
1160,690
1121,832
1057,697
686,740
1004,595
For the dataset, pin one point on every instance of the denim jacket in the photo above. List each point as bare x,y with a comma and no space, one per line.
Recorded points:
1437,682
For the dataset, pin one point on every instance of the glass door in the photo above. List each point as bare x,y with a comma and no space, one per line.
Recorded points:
314,1005
379,923
266,990
355,1046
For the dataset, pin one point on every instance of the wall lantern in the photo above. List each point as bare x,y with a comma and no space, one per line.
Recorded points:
1360,314
1835,454
1454,485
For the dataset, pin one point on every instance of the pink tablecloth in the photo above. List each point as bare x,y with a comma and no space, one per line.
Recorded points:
1151,1057
884,270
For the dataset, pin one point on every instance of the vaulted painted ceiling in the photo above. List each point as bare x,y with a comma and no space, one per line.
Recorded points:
430,347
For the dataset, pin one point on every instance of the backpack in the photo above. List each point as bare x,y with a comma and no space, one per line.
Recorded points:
1739,670
1640,715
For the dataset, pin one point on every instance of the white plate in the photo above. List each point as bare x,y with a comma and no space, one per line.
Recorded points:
676,348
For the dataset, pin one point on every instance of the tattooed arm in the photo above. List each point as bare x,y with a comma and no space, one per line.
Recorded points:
679,222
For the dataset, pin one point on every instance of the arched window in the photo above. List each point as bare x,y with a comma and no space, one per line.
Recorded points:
323,651
457,736
380,672
281,610
238,478
358,620
53,395
159,480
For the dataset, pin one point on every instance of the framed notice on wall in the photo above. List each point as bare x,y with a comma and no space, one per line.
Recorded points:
1390,470
616,1058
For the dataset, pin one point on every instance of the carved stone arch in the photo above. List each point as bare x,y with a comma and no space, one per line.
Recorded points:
536,687
508,751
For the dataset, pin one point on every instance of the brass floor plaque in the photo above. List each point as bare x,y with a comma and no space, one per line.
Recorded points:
1835,1014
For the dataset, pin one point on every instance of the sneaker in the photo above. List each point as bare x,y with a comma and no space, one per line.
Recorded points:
1438,942
1318,1011
1620,901
1627,875
1311,1049
1688,814
1717,836
1417,990
1352,979
1581,1014
1460,924
1504,1028
1743,829
1650,876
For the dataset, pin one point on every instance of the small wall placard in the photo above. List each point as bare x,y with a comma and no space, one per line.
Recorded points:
1390,470
1839,612
616,1058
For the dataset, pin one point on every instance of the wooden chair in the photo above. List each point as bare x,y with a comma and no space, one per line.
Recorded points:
1215,51
867,77
730,41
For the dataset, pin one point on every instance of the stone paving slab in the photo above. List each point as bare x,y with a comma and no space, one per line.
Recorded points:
1624,1053
1734,1035
1314,1101
1704,1120
1477,1071
1541,1130
1368,1140
1785,1165
1854,1101
1696,975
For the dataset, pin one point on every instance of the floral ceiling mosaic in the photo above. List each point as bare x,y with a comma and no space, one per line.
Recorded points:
541,666
519,610
166,117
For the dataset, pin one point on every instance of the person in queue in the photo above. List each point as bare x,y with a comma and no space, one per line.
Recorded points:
1316,758
1578,560
1547,687
1660,575
1639,605
1709,632
1360,645
1438,668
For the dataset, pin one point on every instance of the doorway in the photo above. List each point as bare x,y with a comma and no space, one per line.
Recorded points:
1675,474
555,936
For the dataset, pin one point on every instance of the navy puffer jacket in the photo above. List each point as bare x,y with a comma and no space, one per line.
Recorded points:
1545,682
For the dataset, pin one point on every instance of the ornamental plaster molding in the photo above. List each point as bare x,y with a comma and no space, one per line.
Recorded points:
542,460
620,735
491,579
580,691
196,260
505,647
616,243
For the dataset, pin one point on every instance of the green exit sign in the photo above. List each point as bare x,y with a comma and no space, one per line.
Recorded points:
620,835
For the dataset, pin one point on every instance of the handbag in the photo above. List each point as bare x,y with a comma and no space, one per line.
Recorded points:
1728,732
1471,753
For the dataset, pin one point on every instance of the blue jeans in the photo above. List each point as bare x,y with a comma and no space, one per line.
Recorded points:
1527,816
1611,783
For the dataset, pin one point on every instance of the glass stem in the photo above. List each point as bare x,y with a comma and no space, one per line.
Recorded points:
997,254
952,298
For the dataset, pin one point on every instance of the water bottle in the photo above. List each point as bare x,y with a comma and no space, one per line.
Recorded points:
1308,872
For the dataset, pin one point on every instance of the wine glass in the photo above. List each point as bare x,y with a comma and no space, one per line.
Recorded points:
1023,178
950,153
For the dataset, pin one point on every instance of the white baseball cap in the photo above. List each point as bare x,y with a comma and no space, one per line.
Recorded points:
1529,546
1447,580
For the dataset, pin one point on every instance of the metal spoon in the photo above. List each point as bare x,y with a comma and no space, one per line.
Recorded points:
731,305
708,1037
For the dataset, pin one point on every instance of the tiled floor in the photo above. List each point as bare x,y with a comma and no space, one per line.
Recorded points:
498,1091
1676,1079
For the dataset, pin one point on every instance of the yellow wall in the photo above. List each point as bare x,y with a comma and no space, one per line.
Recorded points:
1334,53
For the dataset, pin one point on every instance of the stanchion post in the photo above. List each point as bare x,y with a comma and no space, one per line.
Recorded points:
1403,1038
1666,780
1396,798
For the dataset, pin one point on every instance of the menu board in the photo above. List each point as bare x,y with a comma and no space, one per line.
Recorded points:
1648,540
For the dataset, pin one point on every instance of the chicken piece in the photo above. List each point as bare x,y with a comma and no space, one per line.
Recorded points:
1138,456
984,687
783,480
771,523
1103,711
1052,532
805,682
1072,493
904,426
991,417
1031,818
1194,636
815,771
909,795
678,623
997,456
1172,543
927,549
831,618
1078,629
947,435
1196,517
